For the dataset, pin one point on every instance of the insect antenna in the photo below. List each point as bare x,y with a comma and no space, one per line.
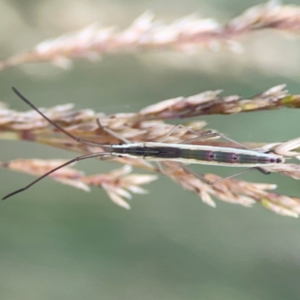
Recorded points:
79,140
78,158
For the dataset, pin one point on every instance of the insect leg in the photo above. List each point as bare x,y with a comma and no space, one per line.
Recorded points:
112,133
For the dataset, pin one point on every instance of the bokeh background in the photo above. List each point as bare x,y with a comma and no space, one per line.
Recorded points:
60,243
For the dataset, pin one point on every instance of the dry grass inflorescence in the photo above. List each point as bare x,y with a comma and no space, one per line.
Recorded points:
149,124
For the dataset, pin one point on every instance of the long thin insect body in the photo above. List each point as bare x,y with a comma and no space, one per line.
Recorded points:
196,154
158,151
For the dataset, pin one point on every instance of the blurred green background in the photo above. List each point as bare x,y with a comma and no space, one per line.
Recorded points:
60,243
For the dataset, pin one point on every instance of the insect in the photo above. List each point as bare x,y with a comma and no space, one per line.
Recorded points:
159,151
